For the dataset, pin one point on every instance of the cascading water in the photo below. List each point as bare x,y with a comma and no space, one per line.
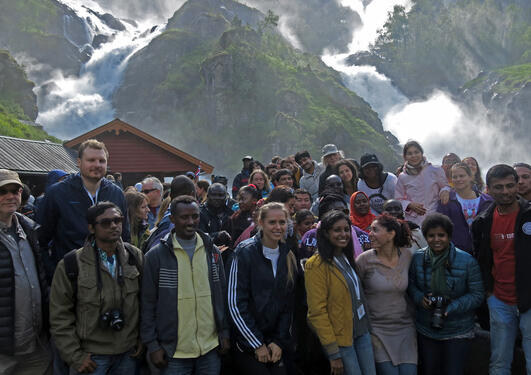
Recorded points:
74,104
439,123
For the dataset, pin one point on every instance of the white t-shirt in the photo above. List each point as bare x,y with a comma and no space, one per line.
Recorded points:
376,197
470,208
272,255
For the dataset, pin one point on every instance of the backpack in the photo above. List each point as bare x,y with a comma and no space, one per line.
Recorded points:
72,268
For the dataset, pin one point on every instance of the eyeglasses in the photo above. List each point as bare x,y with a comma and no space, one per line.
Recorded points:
106,223
147,191
14,190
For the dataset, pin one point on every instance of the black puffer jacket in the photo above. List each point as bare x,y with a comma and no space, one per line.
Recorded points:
7,287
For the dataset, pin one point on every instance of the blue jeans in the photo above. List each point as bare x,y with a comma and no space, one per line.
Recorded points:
358,359
207,364
114,364
387,368
443,357
504,323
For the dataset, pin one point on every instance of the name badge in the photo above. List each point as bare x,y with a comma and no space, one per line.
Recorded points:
361,312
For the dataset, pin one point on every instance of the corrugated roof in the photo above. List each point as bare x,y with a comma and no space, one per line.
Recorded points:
28,156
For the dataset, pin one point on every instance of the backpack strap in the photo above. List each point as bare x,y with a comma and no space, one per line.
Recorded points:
72,270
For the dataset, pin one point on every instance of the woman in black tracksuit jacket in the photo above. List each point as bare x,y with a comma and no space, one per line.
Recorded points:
260,295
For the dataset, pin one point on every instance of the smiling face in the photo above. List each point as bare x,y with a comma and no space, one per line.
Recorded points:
472,165
345,173
503,190
339,234
361,204
394,208
302,202
93,164
274,226
286,180
437,239
413,156
306,163
524,181
143,210
186,220
371,171
461,179
258,180
10,199
380,236
305,225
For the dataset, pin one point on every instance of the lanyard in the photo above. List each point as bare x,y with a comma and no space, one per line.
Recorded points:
351,274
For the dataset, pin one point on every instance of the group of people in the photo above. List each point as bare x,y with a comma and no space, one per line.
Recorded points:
310,267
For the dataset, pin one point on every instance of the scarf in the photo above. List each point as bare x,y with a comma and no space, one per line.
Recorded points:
362,222
414,171
438,269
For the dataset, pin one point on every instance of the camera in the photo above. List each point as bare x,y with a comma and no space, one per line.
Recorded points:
438,304
113,319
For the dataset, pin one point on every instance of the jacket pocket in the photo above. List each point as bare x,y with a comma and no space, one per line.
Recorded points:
131,293
88,304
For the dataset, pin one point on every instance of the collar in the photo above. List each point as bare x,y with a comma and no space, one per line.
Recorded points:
87,253
18,228
177,245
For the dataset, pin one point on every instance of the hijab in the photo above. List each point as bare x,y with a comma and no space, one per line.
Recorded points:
362,222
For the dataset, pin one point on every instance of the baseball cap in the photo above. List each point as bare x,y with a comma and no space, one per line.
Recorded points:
9,177
329,149
368,159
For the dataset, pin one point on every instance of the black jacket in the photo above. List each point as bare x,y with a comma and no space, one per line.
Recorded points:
159,295
481,228
260,305
7,287
212,223
63,217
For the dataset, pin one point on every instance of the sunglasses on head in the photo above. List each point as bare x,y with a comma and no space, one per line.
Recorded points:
13,190
106,223
147,191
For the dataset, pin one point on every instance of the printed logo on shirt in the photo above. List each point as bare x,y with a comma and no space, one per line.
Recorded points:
503,236
526,228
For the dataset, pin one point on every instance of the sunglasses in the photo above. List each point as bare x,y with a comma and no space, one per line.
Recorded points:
106,223
147,191
14,190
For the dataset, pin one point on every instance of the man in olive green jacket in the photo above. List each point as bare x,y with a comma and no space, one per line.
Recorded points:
95,317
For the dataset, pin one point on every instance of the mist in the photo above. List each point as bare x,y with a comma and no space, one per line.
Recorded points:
157,11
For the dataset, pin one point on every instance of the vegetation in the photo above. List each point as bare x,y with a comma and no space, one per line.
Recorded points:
11,125
445,44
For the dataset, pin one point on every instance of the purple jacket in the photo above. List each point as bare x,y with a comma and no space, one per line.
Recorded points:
461,237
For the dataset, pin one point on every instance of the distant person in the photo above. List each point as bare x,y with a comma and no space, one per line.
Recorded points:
64,209
242,178
138,211
447,162
330,156
333,184
360,212
271,169
502,239
377,184
242,218
201,188
283,177
214,214
304,221
383,272
393,207
473,164
184,322
259,179
26,207
464,205
118,180
152,188
311,172
446,288
24,320
180,185
523,171
94,299
337,306
349,175
53,177
303,200
420,185
290,164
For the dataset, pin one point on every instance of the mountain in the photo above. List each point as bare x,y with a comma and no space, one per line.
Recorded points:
222,82
45,32
444,44
18,103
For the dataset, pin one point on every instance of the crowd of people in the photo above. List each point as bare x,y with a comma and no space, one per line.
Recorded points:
308,267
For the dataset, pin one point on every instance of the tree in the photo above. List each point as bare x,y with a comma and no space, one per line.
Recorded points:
270,20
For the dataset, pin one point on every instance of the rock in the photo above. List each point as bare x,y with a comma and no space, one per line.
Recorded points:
86,53
100,39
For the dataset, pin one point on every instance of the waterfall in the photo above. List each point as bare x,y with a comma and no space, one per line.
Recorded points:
74,104
439,123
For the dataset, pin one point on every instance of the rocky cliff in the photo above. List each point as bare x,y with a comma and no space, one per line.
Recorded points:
221,82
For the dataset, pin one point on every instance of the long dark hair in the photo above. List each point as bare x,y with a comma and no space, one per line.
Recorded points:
325,248
401,228
354,180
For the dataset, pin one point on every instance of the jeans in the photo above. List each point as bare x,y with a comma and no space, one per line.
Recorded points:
504,323
358,359
207,364
443,357
387,368
246,363
113,364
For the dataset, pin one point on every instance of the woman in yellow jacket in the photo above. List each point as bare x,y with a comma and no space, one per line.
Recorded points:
336,303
